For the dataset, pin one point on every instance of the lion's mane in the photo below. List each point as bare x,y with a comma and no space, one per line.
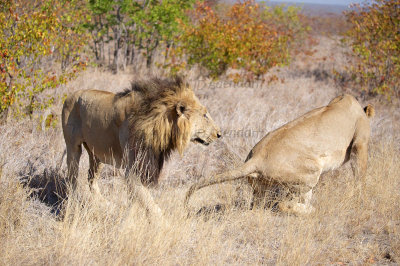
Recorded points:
159,123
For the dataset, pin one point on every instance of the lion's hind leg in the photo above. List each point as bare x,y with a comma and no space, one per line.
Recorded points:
74,153
94,169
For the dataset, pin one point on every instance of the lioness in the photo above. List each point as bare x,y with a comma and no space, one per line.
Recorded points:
296,154
145,123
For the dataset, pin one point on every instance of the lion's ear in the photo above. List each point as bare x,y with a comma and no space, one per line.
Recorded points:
180,109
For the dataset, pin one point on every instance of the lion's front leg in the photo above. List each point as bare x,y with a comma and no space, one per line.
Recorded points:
141,194
145,199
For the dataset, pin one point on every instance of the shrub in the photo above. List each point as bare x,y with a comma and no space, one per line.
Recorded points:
249,36
134,27
375,40
33,35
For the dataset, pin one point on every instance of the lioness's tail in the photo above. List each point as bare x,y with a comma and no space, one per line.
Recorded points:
238,173
369,111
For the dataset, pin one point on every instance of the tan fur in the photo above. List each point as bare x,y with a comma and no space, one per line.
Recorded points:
136,129
296,154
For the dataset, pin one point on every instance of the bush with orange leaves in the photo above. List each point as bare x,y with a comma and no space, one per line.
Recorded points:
250,36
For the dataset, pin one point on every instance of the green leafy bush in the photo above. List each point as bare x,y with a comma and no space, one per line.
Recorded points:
375,40
33,35
134,27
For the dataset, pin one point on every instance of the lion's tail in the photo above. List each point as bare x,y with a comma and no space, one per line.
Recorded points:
369,111
238,173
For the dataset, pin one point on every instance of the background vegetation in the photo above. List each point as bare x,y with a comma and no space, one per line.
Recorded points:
248,36
43,42
35,35
375,40
255,69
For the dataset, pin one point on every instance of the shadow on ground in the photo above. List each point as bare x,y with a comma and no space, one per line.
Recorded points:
49,186
269,201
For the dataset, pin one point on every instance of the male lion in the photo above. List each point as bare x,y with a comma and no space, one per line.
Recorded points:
296,154
145,123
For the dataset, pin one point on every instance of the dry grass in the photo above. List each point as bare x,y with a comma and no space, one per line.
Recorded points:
345,229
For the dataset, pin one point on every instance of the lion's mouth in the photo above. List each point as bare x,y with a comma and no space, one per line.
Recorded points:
201,141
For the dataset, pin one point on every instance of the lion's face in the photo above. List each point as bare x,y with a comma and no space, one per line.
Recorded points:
203,130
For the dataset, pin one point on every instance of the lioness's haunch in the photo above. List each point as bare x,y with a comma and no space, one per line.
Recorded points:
137,129
296,154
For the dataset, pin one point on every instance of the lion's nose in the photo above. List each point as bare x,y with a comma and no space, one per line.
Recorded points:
219,135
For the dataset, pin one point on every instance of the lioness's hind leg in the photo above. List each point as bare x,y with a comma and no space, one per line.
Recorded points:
359,160
306,197
298,205
359,150
294,207
306,200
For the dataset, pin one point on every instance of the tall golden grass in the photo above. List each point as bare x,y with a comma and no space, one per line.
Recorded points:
347,228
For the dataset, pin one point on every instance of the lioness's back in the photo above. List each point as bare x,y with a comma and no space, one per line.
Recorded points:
322,134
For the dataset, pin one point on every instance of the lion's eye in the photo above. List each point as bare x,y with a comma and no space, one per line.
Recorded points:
205,115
